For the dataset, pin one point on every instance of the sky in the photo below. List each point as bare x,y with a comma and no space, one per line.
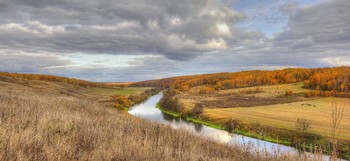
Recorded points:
135,40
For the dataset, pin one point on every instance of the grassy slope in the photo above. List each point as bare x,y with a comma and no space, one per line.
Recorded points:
41,124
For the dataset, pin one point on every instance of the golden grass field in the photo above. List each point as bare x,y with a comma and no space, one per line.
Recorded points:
285,115
271,91
49,121
281,115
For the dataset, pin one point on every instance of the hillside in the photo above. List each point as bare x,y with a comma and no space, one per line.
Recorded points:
337,79
42,120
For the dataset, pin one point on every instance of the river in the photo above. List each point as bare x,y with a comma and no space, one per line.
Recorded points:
148,111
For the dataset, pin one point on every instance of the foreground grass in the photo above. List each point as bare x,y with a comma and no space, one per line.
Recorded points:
41,126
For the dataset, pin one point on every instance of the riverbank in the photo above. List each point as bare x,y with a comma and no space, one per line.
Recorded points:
222,127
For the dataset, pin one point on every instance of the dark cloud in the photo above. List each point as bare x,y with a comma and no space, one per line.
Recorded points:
324,25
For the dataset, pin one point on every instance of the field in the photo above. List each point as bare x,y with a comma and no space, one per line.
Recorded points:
41,121
285,115
269,106
117,90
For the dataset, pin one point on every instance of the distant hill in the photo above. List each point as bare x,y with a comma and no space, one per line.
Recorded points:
73,81
336,78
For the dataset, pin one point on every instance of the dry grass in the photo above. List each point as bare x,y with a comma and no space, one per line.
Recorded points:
285,115
246,97
126,91
271,91
35,125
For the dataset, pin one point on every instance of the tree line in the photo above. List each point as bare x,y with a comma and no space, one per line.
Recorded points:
320,79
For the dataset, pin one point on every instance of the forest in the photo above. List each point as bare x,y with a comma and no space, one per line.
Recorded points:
334,80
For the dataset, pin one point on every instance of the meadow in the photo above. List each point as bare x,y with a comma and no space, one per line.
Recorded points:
269,106
126,91
268,113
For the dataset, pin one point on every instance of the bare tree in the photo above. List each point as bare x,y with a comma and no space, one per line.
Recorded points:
337,116
302,125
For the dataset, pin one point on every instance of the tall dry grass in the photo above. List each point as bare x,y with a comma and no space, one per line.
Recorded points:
36,126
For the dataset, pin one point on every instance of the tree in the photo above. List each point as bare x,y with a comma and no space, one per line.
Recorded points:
302,125
337,116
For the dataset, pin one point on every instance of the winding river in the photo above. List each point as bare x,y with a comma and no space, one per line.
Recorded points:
148,111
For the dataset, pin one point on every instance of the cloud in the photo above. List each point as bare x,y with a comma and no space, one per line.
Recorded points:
14,61
321,26
289,8
179,30
136,40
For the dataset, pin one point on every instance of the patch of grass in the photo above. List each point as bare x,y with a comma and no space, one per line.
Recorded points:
247,97
118,90
271,90
169,112
192,119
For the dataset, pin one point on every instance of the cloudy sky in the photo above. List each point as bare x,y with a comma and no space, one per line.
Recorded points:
133,40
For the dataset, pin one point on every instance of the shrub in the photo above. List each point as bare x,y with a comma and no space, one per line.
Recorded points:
197,110
121,101
302,125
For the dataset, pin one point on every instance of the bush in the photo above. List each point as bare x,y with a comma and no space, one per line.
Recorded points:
302,125
231,124
121,102
197,110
